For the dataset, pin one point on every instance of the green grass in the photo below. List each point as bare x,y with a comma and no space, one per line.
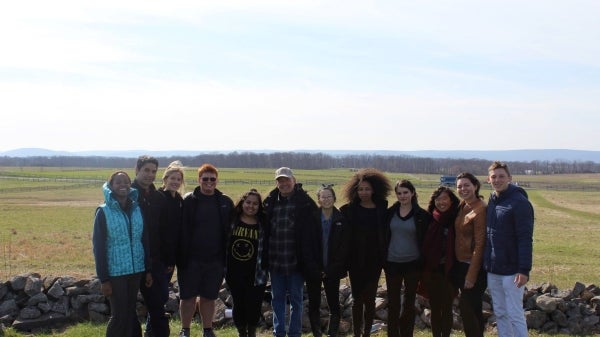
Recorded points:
42,220
36,227
95,330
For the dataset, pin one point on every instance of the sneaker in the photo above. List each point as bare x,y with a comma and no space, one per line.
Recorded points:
184,333
209,333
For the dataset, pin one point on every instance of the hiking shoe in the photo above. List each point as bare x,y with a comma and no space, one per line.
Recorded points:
184,333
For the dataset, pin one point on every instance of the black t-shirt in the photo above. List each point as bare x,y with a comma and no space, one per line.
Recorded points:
242,252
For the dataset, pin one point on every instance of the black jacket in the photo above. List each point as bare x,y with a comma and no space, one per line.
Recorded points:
306,223
188,225
338,247
174,218
153,205
359,245
422,221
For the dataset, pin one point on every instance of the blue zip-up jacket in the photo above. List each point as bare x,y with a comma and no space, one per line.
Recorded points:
119,238
509,233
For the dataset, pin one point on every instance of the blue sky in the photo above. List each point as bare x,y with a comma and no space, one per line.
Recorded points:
292,75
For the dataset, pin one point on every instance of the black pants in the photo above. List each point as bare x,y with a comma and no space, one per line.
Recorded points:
441,295
401,324
123,320
364,289
470,302
247,303
332,293
155,298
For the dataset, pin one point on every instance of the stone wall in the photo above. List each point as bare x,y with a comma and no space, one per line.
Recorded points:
29,302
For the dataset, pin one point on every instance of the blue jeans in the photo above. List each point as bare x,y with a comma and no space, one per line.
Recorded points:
282,286
507,301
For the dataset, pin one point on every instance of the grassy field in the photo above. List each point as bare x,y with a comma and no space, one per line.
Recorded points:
47,216
49,211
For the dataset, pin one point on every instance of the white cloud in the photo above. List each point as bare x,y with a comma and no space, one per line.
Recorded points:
373,74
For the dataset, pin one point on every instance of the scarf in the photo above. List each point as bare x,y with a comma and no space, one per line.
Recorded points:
433,244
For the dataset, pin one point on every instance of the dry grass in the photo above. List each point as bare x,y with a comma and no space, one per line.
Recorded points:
49,231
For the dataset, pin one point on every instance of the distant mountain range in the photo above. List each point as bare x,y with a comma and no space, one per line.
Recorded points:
504,155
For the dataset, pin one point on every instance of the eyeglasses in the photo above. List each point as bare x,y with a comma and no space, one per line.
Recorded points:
209,178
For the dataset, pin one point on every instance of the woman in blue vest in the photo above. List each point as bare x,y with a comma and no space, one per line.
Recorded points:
120,246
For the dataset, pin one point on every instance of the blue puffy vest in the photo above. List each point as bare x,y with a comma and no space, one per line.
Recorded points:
124,247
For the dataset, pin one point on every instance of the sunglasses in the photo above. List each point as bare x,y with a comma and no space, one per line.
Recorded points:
209,178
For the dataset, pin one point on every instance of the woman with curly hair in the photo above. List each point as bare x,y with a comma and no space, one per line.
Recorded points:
366,192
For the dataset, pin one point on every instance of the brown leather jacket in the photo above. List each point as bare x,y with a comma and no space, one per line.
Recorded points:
470,236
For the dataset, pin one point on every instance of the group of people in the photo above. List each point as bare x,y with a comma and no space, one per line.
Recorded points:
457,246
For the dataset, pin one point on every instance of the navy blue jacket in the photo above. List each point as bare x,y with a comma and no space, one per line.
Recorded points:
509,233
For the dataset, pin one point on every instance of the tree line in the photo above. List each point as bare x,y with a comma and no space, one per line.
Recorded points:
302,160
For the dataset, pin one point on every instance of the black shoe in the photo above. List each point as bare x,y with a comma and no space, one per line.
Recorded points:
251,331
209,333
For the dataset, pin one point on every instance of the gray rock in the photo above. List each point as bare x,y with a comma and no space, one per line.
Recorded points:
590,321
29,313
37,298
594,289
75,291
44,307
559,318
44,321
219,317
535,318
549,327
548,303
578,288
61,306
33,285
67,281
547,288
9,307
574,327
380,303
56,291
18,282
94,286
3,290
172,304
99,307
381,314
96,317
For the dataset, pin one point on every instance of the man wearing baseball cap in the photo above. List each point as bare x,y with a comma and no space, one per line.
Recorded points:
291,219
